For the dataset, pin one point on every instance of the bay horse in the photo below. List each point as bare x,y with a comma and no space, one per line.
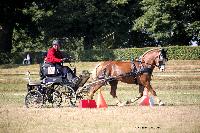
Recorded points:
130,72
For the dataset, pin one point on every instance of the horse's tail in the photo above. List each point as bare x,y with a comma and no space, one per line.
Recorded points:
94,71
101,70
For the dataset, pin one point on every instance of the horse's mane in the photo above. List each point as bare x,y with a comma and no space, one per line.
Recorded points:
150,51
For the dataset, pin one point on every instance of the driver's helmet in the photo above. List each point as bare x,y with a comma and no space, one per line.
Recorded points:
56,42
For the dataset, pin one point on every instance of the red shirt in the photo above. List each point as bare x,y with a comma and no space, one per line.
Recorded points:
54,56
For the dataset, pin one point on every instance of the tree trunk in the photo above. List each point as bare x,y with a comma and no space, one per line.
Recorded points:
6,32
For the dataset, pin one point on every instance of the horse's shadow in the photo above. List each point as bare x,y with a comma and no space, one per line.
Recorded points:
137,104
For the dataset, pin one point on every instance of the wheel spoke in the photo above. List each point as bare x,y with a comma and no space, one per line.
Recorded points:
57,99
34,99
69,96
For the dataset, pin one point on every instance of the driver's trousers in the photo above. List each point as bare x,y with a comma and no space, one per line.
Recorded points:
68,73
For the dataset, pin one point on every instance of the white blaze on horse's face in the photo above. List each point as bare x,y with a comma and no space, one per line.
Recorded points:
162,68
161,63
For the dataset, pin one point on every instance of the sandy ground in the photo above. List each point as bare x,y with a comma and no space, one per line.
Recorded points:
114,119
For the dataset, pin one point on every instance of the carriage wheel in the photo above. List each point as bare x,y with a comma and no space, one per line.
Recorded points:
34,99
82,93
69,96
81,96
57,99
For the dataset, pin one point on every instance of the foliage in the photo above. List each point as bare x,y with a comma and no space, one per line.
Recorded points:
183,53
96,24
21,17
174,53
4,58
169,22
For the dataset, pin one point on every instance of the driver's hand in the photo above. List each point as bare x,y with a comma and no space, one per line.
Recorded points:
71,58
64,59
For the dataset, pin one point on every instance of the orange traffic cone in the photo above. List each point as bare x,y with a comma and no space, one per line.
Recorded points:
145,98
101,103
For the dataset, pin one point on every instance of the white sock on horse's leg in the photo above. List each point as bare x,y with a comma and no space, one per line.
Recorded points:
160,103
132,100
119,103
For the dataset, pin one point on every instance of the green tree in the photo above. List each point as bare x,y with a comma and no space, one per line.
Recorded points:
97,22
169,22
17,15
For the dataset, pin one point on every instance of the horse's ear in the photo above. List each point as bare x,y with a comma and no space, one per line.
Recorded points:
163,50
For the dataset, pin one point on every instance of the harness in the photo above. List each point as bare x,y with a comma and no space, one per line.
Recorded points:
142,69
134,72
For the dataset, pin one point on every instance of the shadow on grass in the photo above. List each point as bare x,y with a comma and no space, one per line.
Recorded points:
7,66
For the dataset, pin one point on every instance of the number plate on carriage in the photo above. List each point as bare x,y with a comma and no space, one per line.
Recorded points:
51,70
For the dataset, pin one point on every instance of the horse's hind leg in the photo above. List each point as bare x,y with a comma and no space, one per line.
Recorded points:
93,90
141,89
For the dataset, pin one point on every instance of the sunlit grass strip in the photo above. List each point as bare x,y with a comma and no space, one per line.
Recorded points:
13,87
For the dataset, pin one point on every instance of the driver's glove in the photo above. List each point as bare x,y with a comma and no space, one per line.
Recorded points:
64,59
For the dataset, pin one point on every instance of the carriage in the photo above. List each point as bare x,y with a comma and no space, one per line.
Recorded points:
54,90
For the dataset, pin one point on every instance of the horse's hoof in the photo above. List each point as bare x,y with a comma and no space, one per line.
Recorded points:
161,104
121,104
128,102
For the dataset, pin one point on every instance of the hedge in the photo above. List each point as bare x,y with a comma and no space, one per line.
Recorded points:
174,53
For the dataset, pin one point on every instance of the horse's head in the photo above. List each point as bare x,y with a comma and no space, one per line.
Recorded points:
161,59
155,57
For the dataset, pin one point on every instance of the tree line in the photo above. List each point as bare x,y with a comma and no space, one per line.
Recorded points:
31,25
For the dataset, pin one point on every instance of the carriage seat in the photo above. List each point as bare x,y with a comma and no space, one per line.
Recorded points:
52,80
50,70
34,83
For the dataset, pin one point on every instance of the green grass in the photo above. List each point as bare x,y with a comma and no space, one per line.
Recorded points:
12,99
183,78
170,97
178,87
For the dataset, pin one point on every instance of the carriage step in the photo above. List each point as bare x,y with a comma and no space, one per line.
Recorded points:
34,83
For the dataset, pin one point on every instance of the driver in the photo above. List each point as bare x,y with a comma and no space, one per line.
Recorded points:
55,57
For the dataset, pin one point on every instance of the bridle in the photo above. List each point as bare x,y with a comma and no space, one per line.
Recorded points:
161,59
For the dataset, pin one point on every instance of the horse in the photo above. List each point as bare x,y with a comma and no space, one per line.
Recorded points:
138,71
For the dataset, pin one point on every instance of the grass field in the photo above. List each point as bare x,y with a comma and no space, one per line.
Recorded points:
178,87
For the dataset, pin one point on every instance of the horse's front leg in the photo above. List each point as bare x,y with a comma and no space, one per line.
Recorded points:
152,91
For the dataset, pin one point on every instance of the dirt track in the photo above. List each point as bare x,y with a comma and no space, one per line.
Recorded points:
113,119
